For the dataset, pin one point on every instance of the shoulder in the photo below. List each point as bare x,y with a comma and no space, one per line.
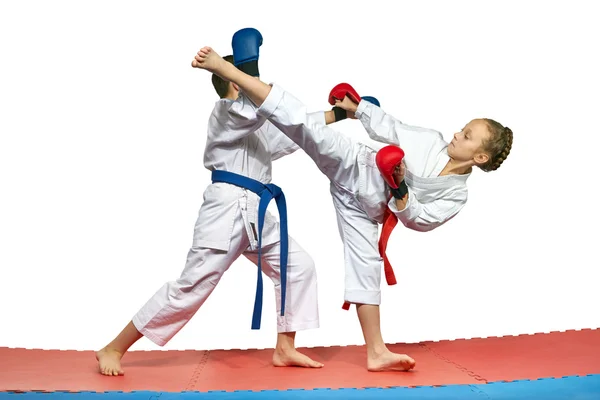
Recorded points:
433,136
228,105
267,128
436,137
221,106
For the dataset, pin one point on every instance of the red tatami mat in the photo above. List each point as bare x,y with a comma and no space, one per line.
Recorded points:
54,370
345,367
438,363
525,356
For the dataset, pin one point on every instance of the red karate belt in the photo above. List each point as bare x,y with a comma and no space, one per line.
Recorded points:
390,220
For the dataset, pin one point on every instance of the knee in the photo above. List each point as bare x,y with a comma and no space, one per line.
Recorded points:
364,273
188,283
304,268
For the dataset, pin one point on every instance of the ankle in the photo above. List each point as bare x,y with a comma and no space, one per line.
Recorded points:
377,350
285,342
112,349
284,348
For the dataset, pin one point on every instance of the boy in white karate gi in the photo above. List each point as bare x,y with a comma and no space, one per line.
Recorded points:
228,227
430,185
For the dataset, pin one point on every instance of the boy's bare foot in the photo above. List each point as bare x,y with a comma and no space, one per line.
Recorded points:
208,59
109,362
293,358
388,361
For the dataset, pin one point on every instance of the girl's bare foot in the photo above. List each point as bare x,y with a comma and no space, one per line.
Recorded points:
208,59
109,362
347,105
388,361
293,358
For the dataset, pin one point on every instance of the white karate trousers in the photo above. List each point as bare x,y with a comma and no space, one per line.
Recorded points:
176,302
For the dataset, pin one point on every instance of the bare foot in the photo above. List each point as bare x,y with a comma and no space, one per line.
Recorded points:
293,358
109,362
389,361
207,59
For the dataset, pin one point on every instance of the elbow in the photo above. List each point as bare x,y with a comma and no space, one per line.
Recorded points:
422,226
387,136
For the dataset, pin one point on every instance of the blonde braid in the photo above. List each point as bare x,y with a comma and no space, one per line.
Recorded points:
498,146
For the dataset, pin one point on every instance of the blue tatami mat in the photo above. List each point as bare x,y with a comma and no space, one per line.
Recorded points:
568,388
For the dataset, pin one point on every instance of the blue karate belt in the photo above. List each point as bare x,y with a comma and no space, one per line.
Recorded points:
267,192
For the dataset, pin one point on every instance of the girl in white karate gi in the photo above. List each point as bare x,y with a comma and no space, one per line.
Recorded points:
226,228
435,173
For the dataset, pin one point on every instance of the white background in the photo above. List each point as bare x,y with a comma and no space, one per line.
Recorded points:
103,126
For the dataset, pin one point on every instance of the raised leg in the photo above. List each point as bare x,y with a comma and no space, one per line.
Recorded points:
333,153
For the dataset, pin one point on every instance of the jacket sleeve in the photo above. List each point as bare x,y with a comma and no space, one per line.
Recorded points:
235,120
424,217
385,128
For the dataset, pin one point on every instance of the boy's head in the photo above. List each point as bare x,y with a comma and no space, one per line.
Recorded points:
225,89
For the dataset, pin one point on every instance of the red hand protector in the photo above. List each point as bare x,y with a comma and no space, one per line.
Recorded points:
340,91
387,159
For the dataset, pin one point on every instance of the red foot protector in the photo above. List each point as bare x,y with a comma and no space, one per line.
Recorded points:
442,363
340,91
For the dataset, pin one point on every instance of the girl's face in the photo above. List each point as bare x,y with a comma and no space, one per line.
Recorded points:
467,144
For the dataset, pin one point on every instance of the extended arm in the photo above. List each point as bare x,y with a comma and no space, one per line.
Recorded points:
385,128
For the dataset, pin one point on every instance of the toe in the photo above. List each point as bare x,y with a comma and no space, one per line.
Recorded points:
312,363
